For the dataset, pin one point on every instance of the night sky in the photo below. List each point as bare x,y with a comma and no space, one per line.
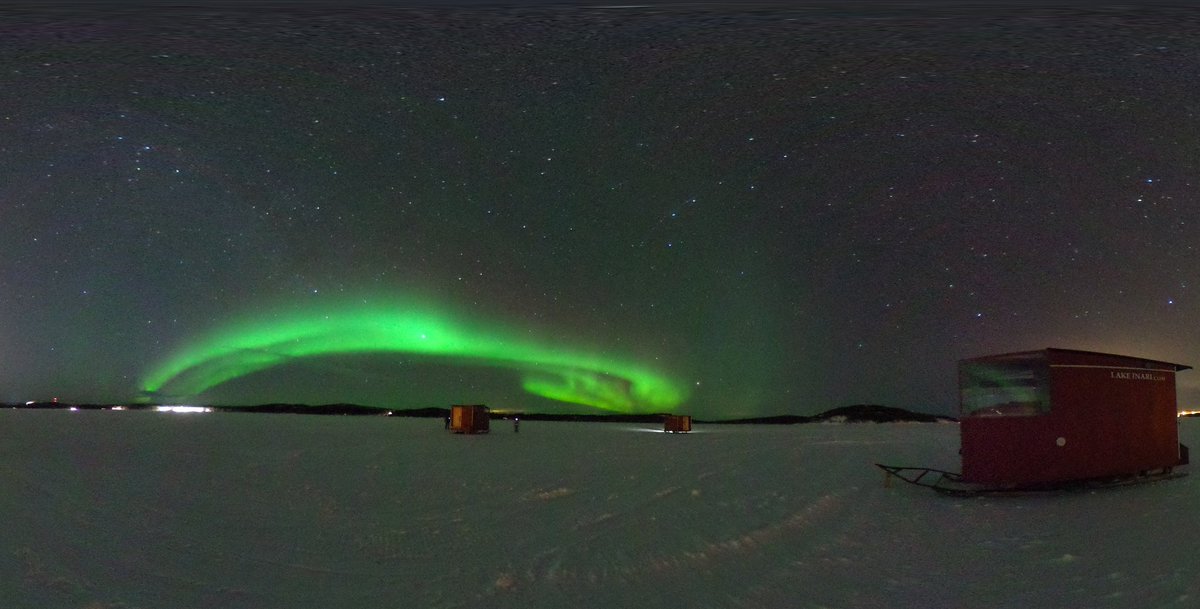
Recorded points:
720,210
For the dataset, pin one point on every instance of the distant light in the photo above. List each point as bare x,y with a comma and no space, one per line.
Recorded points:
665,432
31,402
645,429
73,409
118,408
1188,413
182,409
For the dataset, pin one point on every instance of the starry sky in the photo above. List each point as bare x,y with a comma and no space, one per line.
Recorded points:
723,210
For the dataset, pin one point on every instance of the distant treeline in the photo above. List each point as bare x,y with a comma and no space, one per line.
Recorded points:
850,414
859,413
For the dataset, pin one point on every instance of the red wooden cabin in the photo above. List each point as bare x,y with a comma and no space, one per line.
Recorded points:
472,418
1038,418
677,423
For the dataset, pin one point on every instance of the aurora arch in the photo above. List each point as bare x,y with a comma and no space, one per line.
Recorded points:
551,371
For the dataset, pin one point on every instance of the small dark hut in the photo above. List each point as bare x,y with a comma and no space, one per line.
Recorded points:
677,423
470,418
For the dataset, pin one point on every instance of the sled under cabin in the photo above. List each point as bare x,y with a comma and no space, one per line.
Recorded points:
677,423
1041,418
469,418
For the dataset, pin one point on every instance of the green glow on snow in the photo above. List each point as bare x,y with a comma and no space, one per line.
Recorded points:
551,371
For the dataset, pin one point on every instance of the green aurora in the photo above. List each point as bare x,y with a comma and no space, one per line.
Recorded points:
554,372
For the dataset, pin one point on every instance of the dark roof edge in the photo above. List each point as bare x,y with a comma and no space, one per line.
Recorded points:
1177,367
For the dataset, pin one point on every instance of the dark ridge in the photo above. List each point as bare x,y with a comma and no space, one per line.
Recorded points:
590,418
422,412
66,405
880,414
325,409
783,419
859,413
850,414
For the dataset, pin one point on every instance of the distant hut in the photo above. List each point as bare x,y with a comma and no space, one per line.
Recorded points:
677,423
1040,418
469,418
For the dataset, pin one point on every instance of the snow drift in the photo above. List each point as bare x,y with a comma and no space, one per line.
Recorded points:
146,510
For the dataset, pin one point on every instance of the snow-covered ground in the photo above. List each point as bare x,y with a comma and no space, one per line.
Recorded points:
106,510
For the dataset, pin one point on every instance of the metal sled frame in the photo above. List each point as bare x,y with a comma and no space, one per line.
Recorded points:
951,483
935,479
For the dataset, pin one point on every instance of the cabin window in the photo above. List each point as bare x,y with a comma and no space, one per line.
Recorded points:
1004,388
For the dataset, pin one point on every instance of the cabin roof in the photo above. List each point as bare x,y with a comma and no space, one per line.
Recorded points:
1049,350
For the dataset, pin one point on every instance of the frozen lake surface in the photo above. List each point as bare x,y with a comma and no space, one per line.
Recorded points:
107,510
